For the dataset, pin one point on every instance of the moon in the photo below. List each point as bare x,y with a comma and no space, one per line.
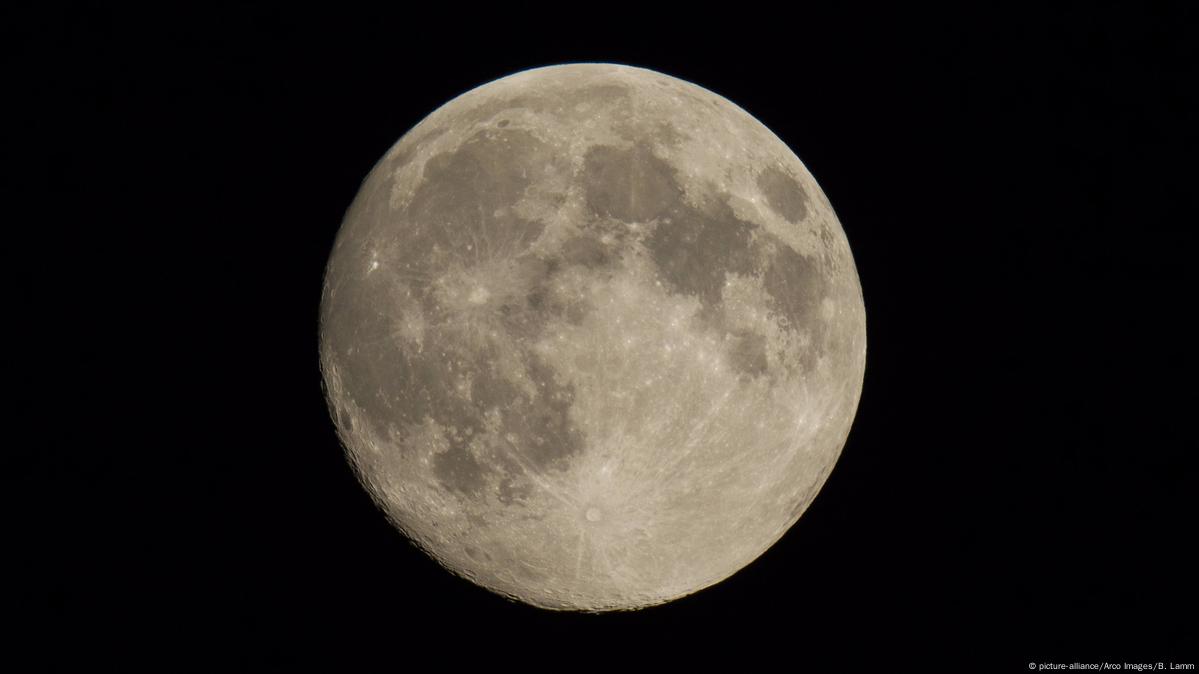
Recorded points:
592,337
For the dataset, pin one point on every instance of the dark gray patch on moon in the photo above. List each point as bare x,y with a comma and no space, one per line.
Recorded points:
784,194
546,305
367,373
512,491
695,249
542,423
747,353
533,431
457,470
797,285
588,251
465,196
549,436
631,185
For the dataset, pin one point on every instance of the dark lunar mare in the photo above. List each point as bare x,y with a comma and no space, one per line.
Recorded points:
460,214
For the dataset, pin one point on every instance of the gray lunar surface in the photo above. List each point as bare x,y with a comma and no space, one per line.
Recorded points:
592,336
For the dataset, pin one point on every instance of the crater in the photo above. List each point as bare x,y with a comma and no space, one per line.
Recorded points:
478,295
344,418
476,554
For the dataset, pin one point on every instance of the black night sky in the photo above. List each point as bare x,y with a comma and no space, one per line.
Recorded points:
1016,187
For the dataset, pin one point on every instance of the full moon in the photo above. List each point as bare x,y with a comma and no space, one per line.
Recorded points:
592,337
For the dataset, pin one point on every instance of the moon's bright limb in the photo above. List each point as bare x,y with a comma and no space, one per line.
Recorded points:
592,336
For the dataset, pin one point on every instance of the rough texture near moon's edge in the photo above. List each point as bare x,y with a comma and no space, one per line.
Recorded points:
592,337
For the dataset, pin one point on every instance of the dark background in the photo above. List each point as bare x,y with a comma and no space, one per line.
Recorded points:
1017,189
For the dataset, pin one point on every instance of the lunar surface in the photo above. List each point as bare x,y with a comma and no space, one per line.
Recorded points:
592,337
